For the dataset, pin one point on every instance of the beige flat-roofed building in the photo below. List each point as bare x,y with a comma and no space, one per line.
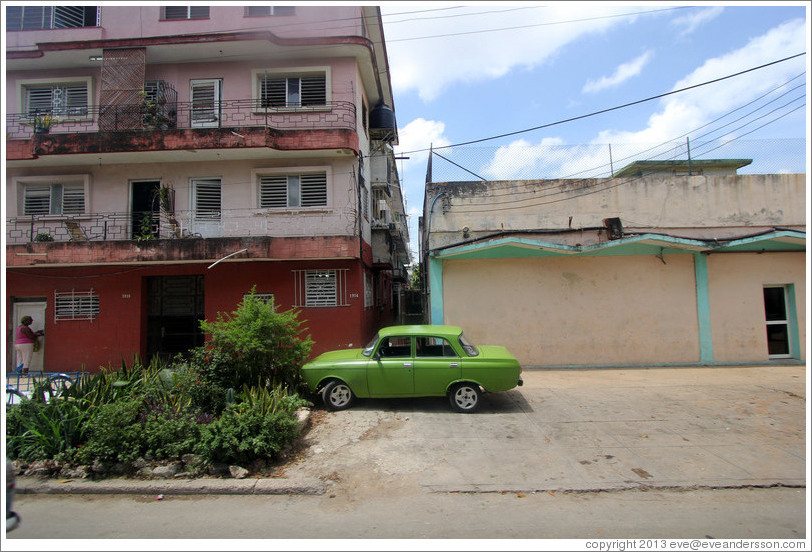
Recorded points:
647,269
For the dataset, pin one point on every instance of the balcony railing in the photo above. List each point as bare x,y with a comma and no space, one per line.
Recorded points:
148,226
186,115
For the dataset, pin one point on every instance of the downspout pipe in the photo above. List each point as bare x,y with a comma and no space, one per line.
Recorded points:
427,250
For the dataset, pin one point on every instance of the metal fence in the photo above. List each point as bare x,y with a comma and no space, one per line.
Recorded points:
20,387
145,226
186,115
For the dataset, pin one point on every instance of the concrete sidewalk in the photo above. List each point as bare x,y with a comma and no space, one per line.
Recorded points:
563,431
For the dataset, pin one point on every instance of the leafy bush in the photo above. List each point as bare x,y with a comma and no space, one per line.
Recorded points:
242,436
254,344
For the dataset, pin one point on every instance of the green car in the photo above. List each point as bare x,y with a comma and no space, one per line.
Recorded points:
413,361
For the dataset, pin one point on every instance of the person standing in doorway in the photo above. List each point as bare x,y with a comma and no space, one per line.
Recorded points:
24,343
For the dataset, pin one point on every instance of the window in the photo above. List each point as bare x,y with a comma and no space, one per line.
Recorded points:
321,288
266,298
205,95
68,99
28,18
778,324
207,198
395,347
369,290
53,199
75,305
283,191
300,90
185,12
434,347
251,11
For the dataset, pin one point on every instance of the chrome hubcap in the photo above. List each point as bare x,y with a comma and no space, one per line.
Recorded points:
465,397
339,395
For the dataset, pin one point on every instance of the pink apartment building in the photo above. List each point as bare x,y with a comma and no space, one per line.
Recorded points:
163,161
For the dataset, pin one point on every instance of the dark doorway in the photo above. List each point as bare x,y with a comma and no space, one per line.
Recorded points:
175,309
145,209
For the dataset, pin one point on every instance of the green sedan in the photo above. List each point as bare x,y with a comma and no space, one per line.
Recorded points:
413,361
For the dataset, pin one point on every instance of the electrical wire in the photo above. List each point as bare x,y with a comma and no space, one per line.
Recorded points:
607,110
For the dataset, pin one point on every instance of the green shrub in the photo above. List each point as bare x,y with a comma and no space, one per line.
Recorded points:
36,430
254,344
240,437
114,433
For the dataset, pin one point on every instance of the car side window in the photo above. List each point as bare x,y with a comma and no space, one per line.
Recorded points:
395,347
434,347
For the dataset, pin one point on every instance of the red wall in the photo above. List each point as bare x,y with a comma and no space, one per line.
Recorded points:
120,329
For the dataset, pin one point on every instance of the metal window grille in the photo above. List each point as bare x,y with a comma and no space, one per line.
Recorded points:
208,199
369,290
270,10
293,91
62,100
186,12
23,18
320,288
305,190
54,199
76,305
266,298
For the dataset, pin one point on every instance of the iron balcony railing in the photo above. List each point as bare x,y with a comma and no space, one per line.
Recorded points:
181,115
146,226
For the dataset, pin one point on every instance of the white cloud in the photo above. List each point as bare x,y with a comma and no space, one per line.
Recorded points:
431,65
694,20
623,73
678,114
419,135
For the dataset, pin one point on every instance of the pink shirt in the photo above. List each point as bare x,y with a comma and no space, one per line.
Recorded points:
21,337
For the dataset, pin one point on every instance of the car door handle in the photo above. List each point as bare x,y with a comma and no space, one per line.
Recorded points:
454,365
407,364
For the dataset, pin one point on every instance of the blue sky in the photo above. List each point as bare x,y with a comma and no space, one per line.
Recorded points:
467,73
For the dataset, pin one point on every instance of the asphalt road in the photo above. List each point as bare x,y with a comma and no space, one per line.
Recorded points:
410,514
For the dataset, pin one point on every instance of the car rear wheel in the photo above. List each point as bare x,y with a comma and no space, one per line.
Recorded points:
464,397
337,395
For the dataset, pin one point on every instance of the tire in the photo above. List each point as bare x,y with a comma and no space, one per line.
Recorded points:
337,395
464,397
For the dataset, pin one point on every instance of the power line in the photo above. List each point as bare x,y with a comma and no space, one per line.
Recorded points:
607,110
639,154
446,35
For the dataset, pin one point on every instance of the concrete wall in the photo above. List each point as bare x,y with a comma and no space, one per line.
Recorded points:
688,206
736,283
129,21
577,311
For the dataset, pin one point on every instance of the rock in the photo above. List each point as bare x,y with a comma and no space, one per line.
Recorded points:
139,463
303,417
183,475
218,469
144,473
238,472
191,460
258,466
165,472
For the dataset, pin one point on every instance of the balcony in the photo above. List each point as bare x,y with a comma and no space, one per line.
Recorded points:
183,126
147,226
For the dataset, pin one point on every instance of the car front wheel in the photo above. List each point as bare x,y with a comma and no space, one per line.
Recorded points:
337,395
464,397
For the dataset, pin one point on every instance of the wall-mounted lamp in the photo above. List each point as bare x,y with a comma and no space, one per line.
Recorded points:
96,58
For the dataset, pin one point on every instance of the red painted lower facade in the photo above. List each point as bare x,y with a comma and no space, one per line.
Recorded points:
127,325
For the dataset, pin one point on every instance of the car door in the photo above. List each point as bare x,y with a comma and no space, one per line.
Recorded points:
436,364
391,372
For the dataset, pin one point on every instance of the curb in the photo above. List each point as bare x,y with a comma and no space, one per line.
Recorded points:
304,486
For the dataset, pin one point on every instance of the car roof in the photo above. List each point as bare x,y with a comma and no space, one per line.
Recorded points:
421,329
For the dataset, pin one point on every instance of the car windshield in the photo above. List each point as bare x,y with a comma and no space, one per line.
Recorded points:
370,346
470,349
